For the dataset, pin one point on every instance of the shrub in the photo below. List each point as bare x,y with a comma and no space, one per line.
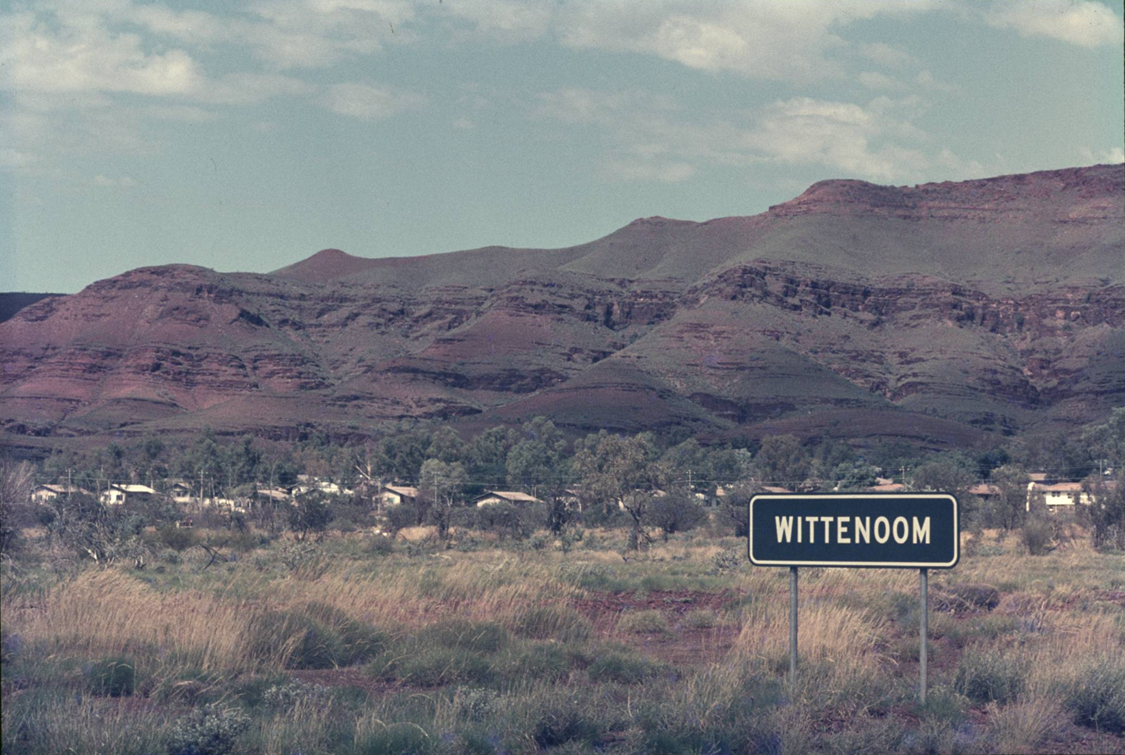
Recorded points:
1097,698
546,662
402,738
176,538
289,694
381,545
700,618
986,675
210,730
967,598
1036,535
475,636
643,622
552,622
435,667
561,725
677,511
298,639
360,641
624,668
399,517
115,677
727,561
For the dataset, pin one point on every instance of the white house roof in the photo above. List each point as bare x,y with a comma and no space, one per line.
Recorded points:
60,489
403,490
510,495
137,489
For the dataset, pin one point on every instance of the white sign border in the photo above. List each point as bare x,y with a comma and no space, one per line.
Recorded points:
860,564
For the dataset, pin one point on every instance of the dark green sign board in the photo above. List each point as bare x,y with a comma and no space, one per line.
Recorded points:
877,530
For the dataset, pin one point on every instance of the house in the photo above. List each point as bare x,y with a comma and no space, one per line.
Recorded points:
886,485
118,494
1058,494
180,492
45,493
308,484
393,495
775,489
985,490
272,495
492,497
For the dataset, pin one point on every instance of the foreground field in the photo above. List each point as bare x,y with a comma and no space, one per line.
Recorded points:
356,646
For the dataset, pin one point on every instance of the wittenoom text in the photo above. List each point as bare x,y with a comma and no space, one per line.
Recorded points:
847,530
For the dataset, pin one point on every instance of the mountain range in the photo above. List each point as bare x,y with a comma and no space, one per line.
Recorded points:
944,314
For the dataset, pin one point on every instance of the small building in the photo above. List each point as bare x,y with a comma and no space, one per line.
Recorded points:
775,489
492,497
887,485
48,492
272,495
180,491
1058,494
985,491
118,494
310,484
393,495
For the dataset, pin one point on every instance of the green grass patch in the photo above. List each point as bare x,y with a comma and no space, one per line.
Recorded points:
114,677
990,675
552,622
643,622
624,667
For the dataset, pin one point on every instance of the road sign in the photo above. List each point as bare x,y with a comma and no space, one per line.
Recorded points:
880,530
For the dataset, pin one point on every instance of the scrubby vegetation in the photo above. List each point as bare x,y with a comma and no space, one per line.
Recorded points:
336,647
598,620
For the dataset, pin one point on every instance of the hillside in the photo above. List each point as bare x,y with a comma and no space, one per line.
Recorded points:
938,313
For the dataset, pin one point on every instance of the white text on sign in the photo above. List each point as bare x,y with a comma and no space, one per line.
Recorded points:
852,529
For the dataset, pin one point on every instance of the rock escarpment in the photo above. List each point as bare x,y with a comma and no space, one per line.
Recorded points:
938,313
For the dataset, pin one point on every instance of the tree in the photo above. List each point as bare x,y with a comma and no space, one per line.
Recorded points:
614,469
488,457
442,485
1107,508
782,460
16,483
854,475
946,476
676,511
310,514
1011,502
538,464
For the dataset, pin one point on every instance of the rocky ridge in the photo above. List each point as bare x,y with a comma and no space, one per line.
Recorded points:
940,313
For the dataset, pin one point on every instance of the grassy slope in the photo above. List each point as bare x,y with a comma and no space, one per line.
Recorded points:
483,650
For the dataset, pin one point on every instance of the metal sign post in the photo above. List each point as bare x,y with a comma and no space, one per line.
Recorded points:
793,627
889,531
924,633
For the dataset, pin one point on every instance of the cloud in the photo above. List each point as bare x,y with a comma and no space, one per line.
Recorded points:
14,159
1079,22
878,140
505,20
875,80
664,172
368,102
886,55
754,38
88,57
1112,156
120,182
182,113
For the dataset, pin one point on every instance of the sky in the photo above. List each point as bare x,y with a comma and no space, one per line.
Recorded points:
245,136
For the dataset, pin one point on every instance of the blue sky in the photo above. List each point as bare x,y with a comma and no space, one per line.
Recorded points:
248,135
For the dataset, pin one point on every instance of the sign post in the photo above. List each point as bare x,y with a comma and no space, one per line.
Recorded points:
793,627
858,530
923,632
